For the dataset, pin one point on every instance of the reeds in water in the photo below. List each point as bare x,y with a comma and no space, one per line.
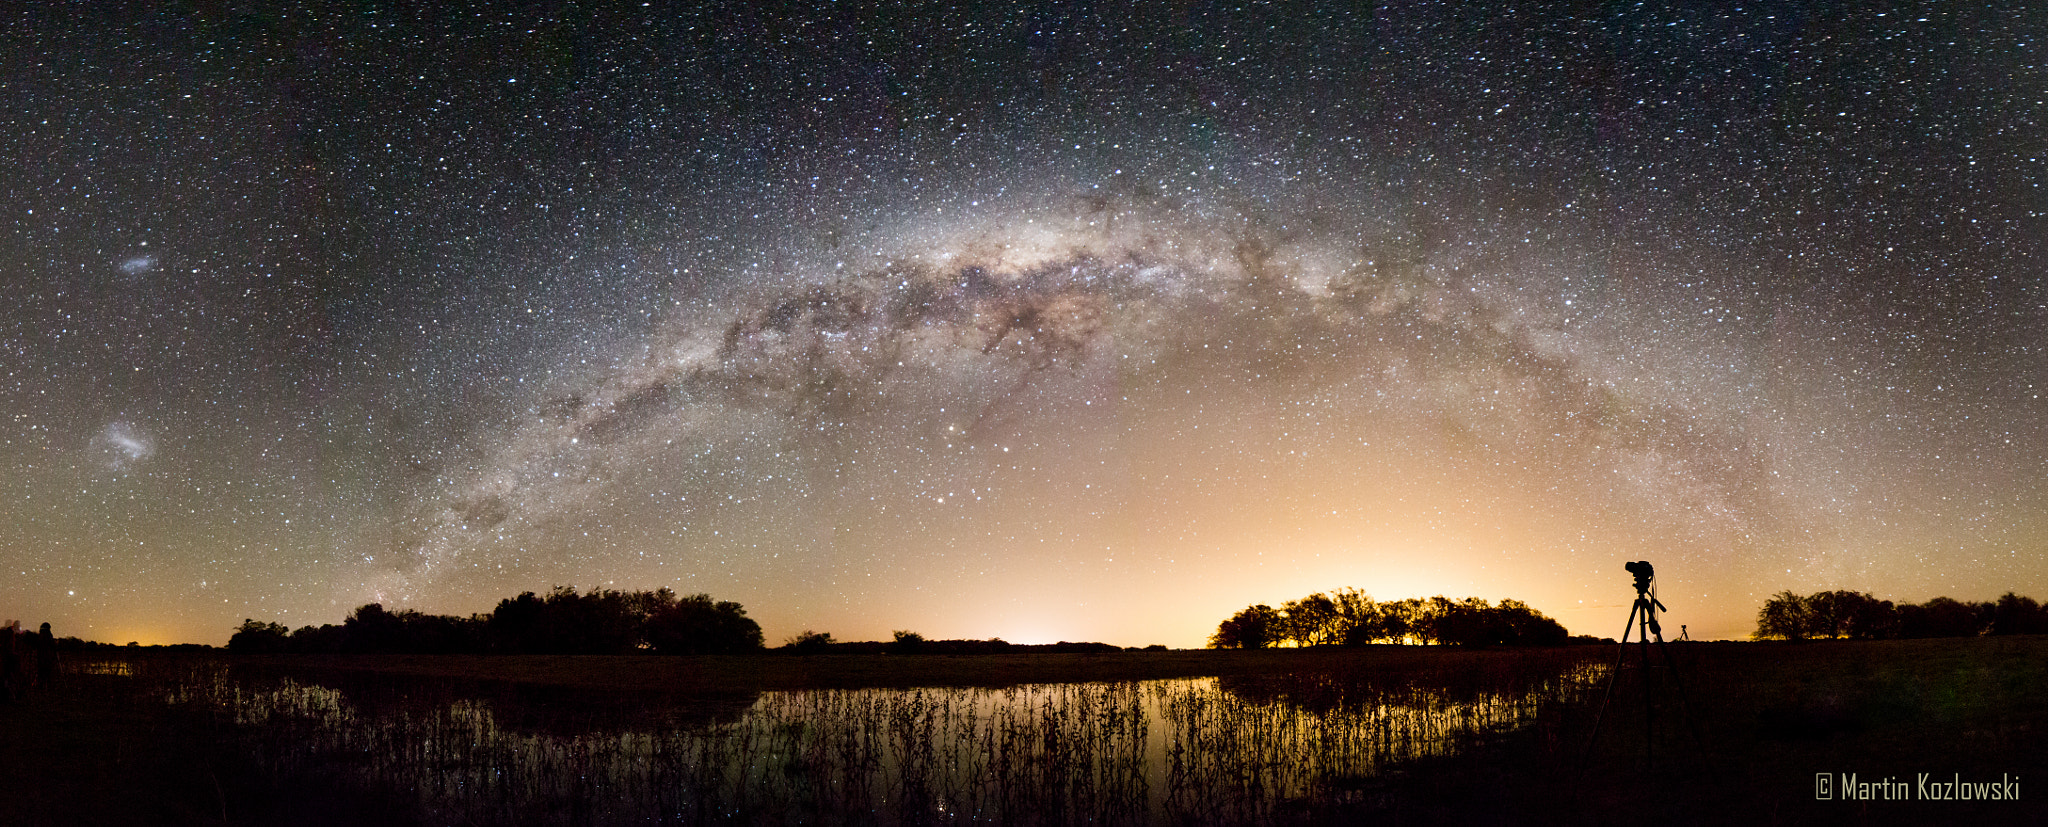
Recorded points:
1201,750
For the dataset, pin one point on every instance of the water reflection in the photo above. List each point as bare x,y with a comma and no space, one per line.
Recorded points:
1233,750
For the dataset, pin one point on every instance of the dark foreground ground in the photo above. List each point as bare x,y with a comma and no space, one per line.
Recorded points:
1771,720
1744,737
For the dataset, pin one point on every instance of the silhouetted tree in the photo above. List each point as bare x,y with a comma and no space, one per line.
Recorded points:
1309,621
1827,615
1866,617
906,643
1363,621
1783,617
1519,624
600,622
1948,617
428,634
808,642
1357,617
1431,622
1473,622
1256,627
371,629
256,636
1403,620
1844,614
696,625
2016,615
519,624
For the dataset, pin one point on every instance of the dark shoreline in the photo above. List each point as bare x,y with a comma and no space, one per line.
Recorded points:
770,672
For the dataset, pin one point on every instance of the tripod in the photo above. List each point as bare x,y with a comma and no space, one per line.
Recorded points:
1643,616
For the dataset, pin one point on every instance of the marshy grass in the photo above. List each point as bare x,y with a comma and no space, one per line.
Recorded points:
1174,750
1383,736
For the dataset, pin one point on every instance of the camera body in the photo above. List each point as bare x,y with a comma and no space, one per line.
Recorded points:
1643,572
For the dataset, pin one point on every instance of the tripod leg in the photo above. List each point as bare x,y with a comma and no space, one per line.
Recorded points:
1649,691
1614,674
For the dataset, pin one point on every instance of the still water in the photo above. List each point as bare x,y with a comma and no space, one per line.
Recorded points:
1202,750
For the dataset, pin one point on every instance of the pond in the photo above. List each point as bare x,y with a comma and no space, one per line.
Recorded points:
1196,750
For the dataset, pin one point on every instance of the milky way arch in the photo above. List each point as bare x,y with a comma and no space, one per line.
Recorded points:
936,343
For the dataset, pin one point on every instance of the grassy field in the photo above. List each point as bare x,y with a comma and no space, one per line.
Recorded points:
1767,717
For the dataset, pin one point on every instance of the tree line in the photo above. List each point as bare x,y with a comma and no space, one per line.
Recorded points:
597,622
1857,616
1349,617
565,622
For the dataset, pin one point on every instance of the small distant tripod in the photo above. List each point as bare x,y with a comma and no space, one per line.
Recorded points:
1644,616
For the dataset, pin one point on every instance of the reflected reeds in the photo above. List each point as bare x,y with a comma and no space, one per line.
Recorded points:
1196,750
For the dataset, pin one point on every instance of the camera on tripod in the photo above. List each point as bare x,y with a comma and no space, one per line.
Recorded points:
1644,574
1642,617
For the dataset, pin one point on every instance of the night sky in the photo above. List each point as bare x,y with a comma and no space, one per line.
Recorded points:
1088,321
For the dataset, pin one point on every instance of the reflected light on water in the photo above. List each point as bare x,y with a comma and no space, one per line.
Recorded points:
1238,750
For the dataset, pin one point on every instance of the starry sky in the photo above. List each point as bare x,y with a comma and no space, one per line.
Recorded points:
1073,321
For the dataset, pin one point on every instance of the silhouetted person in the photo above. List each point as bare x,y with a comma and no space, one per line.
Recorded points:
46,658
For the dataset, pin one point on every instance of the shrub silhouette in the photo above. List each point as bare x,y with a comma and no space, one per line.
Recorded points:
808,642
